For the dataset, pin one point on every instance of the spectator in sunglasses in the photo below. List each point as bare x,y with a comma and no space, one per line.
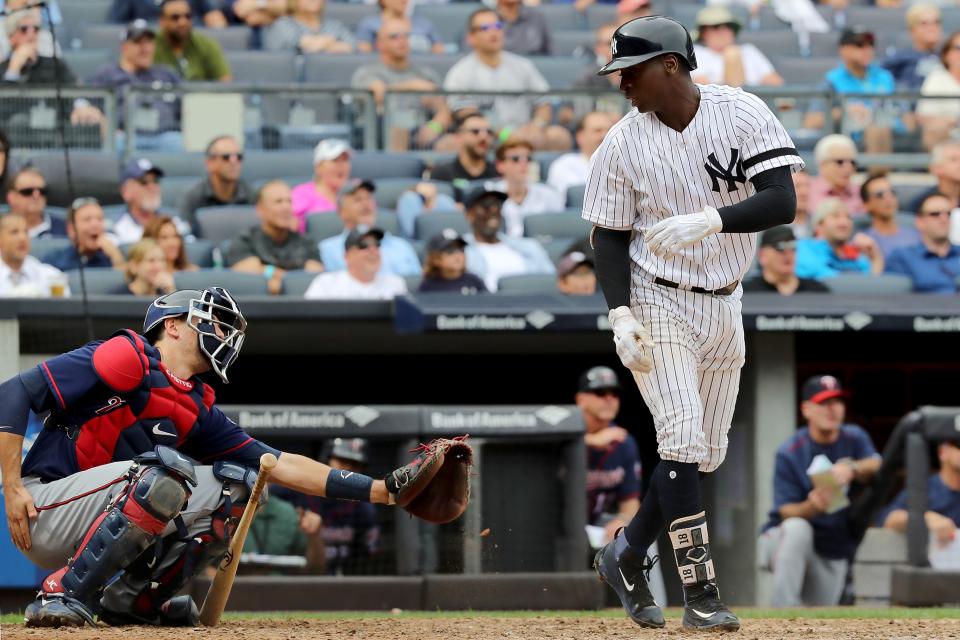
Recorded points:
422,36
445,267
196,57
27,197
362,279
473,138
26,63
123,11
882,206
945,167
778,261
836,157
223,184
933,263
524,197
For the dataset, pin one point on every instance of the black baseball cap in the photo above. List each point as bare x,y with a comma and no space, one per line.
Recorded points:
774,236
353,184
137,29
476,194
599,378
360,232
819,389
857,35
446,239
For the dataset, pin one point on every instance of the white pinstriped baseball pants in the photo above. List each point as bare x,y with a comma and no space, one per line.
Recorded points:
692,389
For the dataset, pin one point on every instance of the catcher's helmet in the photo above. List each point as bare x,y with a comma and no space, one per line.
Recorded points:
644,38
206,311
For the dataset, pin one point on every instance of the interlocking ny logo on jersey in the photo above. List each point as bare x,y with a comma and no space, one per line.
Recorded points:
731,174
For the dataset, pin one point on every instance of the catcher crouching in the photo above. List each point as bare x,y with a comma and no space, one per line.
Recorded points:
137,480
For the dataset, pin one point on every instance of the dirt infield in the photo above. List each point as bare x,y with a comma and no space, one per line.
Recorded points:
469,627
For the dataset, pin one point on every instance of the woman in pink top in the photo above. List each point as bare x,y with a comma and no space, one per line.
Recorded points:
331,168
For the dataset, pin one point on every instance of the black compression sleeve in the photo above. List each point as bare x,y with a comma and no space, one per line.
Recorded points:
612,249
774,203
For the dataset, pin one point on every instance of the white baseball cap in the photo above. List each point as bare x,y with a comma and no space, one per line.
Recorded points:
330,149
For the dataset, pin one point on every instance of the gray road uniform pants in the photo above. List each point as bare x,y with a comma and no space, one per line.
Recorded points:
62,523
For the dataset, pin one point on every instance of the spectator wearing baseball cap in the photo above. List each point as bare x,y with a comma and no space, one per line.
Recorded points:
807,543
524,198
362,279
576,275
720,60
613,462
140,191
942,516
778,263
272,248
331,170
445,267
356,206
492,254
159,127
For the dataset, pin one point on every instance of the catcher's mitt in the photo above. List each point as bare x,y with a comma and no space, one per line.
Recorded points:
436,486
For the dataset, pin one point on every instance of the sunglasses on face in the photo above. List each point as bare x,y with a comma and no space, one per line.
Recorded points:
148,180
785,245
479,132
518,159
493,26
176,17
606,393
843,161
882,194
398,35
227,157
936,214
28,28
30,191
927,23
367,243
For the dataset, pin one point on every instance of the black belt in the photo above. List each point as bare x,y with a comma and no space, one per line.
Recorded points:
723,291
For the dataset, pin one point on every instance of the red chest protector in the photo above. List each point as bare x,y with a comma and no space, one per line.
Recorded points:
143,404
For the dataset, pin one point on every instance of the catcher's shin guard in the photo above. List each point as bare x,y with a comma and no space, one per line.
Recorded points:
702,609
153,498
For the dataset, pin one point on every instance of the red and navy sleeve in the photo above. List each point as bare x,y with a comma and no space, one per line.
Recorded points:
70,376
217,437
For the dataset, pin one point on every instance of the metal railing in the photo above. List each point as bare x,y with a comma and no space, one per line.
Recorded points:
30,116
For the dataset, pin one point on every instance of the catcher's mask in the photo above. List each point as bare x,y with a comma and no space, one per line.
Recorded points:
213,314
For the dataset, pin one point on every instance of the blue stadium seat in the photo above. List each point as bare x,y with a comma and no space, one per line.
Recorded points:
75,14
326,70
413,282
450,20
559,71
98,281
349,13
237,283
804,70
173,189
430,224
230,38
270,164
575,196
440,63
780,42
562,16
599,14
100,35
531,283
200,253
324,224
557,248
295,283
177,164
40,248
263,67
84,62
857,283
373,165
217,224
94,173
551,226
570,41
389,190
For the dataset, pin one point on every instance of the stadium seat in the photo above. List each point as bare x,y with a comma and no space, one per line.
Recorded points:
323,70
528,283
450,20
323,225
237,283
559,71
270,164
230,38
263,67
98,281
804,70
388,221
430,224
295,283
98,173
172,190
84,62
113,212
374,165
177,164
440,63
217,224
100,35
412,282
563,16
907,192
780,42
855,283
40,248
389,190
75,14
350,14
200,253
575,196
571,41
557,248
550,226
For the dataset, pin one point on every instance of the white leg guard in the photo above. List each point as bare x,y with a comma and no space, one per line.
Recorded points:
691,548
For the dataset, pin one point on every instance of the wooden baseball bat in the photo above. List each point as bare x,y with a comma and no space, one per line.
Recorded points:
219,591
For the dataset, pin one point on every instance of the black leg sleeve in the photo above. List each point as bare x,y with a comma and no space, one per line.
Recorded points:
774,203
612,249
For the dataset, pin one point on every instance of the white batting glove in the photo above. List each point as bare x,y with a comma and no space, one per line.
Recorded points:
668,237
632,340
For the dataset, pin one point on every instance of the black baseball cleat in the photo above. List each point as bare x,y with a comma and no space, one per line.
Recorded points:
57,611
627,576
179,611
705,612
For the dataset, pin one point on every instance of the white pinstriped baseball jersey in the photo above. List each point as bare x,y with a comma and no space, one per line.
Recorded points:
644,171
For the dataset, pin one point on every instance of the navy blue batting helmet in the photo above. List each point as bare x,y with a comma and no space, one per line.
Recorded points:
644,38
213,314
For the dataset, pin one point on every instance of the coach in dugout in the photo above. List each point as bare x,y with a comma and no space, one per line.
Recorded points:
613,461
807,543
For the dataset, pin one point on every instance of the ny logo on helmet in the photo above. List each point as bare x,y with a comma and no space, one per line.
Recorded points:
613,47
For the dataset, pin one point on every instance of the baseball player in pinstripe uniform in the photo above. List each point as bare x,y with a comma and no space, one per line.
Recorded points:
676,192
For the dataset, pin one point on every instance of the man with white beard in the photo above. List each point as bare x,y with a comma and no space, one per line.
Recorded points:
140,190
